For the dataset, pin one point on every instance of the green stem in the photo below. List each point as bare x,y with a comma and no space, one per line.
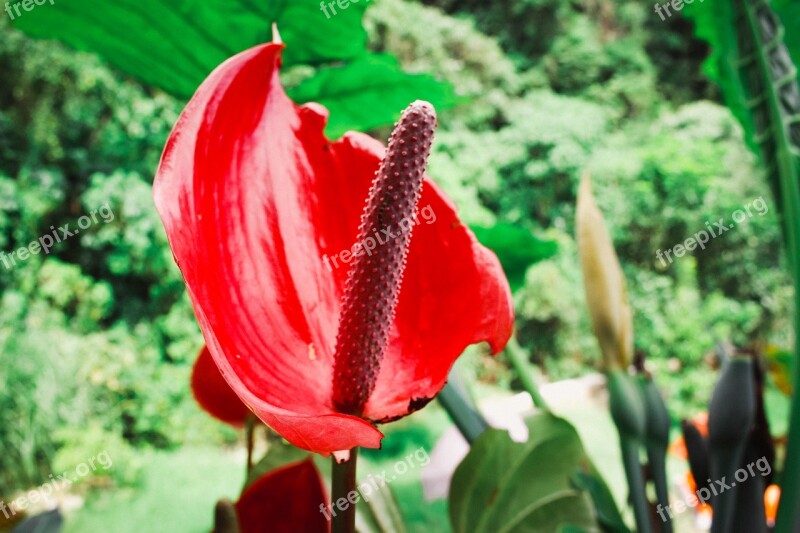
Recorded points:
657,458
463,412
724,468
638,492
343,483
250,435
523,367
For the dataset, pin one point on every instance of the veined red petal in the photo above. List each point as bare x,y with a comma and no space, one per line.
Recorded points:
287,499
259,207
214,394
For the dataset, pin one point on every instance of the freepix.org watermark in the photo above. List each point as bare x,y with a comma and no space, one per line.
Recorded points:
369,244
27,5
375,483
46,242
701,238
677,5
715,488
343,4
56,483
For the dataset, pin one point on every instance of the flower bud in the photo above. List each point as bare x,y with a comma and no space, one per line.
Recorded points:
606,293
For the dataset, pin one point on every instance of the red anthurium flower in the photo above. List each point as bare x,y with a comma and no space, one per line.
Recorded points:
214,394
287,499
263,215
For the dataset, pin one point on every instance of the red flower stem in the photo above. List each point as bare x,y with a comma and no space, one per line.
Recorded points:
343,483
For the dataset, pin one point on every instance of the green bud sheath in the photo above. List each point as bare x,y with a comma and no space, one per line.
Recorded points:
749,515
625,401
656,414
628,414
731,415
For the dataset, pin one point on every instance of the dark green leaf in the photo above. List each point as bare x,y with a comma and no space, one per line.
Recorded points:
608,514
368,92
506,486
380,513
517,249
754,68
175,45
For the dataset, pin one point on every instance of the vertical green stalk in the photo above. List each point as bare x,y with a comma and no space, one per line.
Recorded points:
788,520
630,447
523,368
750,515
657,426
628,414
343,482
456,401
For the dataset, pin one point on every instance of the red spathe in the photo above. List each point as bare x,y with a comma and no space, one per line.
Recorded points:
285,500
253,198
214,394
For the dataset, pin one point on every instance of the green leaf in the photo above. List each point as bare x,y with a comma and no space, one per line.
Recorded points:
779,364
516,247
369,92
559,515
573,529
754,69
506,486
381,514
175,45
789,13
608,514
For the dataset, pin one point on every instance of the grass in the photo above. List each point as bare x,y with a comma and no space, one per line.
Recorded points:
179,488
178,493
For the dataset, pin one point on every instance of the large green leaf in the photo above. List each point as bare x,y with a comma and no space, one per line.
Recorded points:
368,92
175,44
506,486
380,513
516,247
789,13
608,515
753,67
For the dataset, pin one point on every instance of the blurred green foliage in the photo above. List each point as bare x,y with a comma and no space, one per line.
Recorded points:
101,329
